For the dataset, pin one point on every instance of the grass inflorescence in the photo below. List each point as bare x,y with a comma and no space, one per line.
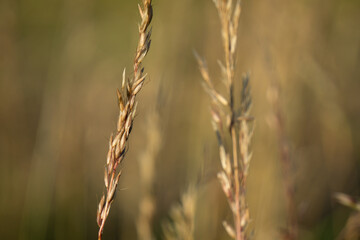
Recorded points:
127,103
231,121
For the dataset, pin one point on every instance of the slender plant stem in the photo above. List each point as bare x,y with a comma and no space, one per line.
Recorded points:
237,216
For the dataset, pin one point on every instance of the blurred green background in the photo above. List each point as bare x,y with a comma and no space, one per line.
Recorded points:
62,60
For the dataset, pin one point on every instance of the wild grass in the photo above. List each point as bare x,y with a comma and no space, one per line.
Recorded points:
127,103
147,171
351,229
59,63
181,224
277,122
231,121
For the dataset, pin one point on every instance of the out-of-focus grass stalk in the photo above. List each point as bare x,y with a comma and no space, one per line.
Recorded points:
182,223
352,227
235,159
278,123
147,172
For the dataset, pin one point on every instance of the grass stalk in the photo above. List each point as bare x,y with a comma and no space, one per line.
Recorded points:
351,229
147,164
291,231
127,103
181,224
235,158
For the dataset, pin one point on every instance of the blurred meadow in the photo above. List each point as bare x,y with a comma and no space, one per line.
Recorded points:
60,65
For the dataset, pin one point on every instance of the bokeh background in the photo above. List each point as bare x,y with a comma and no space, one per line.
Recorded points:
62,60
